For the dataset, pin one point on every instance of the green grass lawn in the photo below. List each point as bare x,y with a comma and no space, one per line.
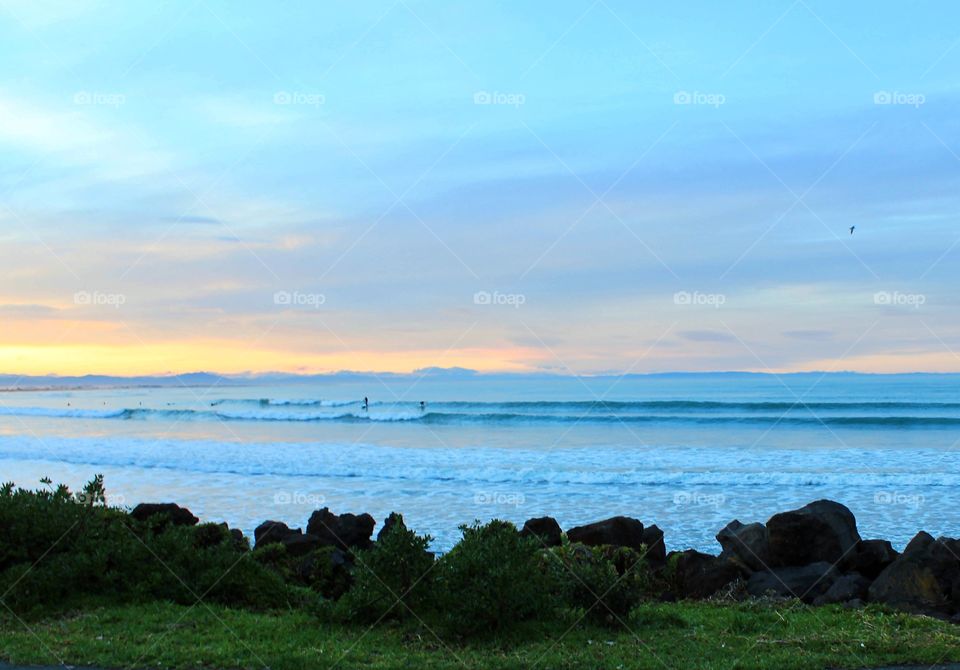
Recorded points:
701,635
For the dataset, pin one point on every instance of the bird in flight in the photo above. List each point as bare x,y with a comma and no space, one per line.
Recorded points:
852,229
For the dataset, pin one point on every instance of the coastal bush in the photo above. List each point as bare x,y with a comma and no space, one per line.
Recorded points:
325,570
604,582
57,547
183,564
33,522
492,580
394,579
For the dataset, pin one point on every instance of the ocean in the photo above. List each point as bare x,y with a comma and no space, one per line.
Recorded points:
689,452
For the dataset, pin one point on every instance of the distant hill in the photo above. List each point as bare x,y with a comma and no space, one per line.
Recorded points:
8,381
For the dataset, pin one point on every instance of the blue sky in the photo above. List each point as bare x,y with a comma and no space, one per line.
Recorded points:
633,187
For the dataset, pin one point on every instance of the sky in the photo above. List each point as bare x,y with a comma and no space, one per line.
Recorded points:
575,187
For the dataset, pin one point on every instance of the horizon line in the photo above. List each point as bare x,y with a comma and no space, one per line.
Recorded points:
451,373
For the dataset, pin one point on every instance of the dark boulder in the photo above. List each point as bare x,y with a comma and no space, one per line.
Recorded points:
545,529
924,578
293,539
269,532
656,555
347,531
870,558
748,544
821,531
618,531
173,513
909,586
849,588
805,582
301,544
699,575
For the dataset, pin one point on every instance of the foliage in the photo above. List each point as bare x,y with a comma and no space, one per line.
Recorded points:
57,547
393,580
492,580
604,582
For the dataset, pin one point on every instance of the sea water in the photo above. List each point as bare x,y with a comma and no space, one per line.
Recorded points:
689,452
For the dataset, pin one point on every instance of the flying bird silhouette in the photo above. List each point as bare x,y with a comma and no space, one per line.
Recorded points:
852,229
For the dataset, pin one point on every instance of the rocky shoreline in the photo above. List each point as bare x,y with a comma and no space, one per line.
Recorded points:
814,554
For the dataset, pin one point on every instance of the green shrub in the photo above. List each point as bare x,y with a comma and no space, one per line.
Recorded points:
393,579
604,582
57,548
182,566
325,570
492,580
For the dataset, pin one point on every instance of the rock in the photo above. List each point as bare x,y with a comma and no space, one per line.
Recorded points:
618,531
747,543
347,531
909,586
701,575
301,544
925,578
178,516
942,556
805,582
656,548
918,544
821,531
871,557
545,529
295,540
849,588
273,531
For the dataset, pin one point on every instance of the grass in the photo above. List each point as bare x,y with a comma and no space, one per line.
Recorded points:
682,635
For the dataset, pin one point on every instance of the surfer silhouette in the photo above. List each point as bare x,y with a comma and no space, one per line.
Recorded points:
423,406
366,404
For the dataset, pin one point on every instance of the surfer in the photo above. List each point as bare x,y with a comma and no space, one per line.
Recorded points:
366,404
423,406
